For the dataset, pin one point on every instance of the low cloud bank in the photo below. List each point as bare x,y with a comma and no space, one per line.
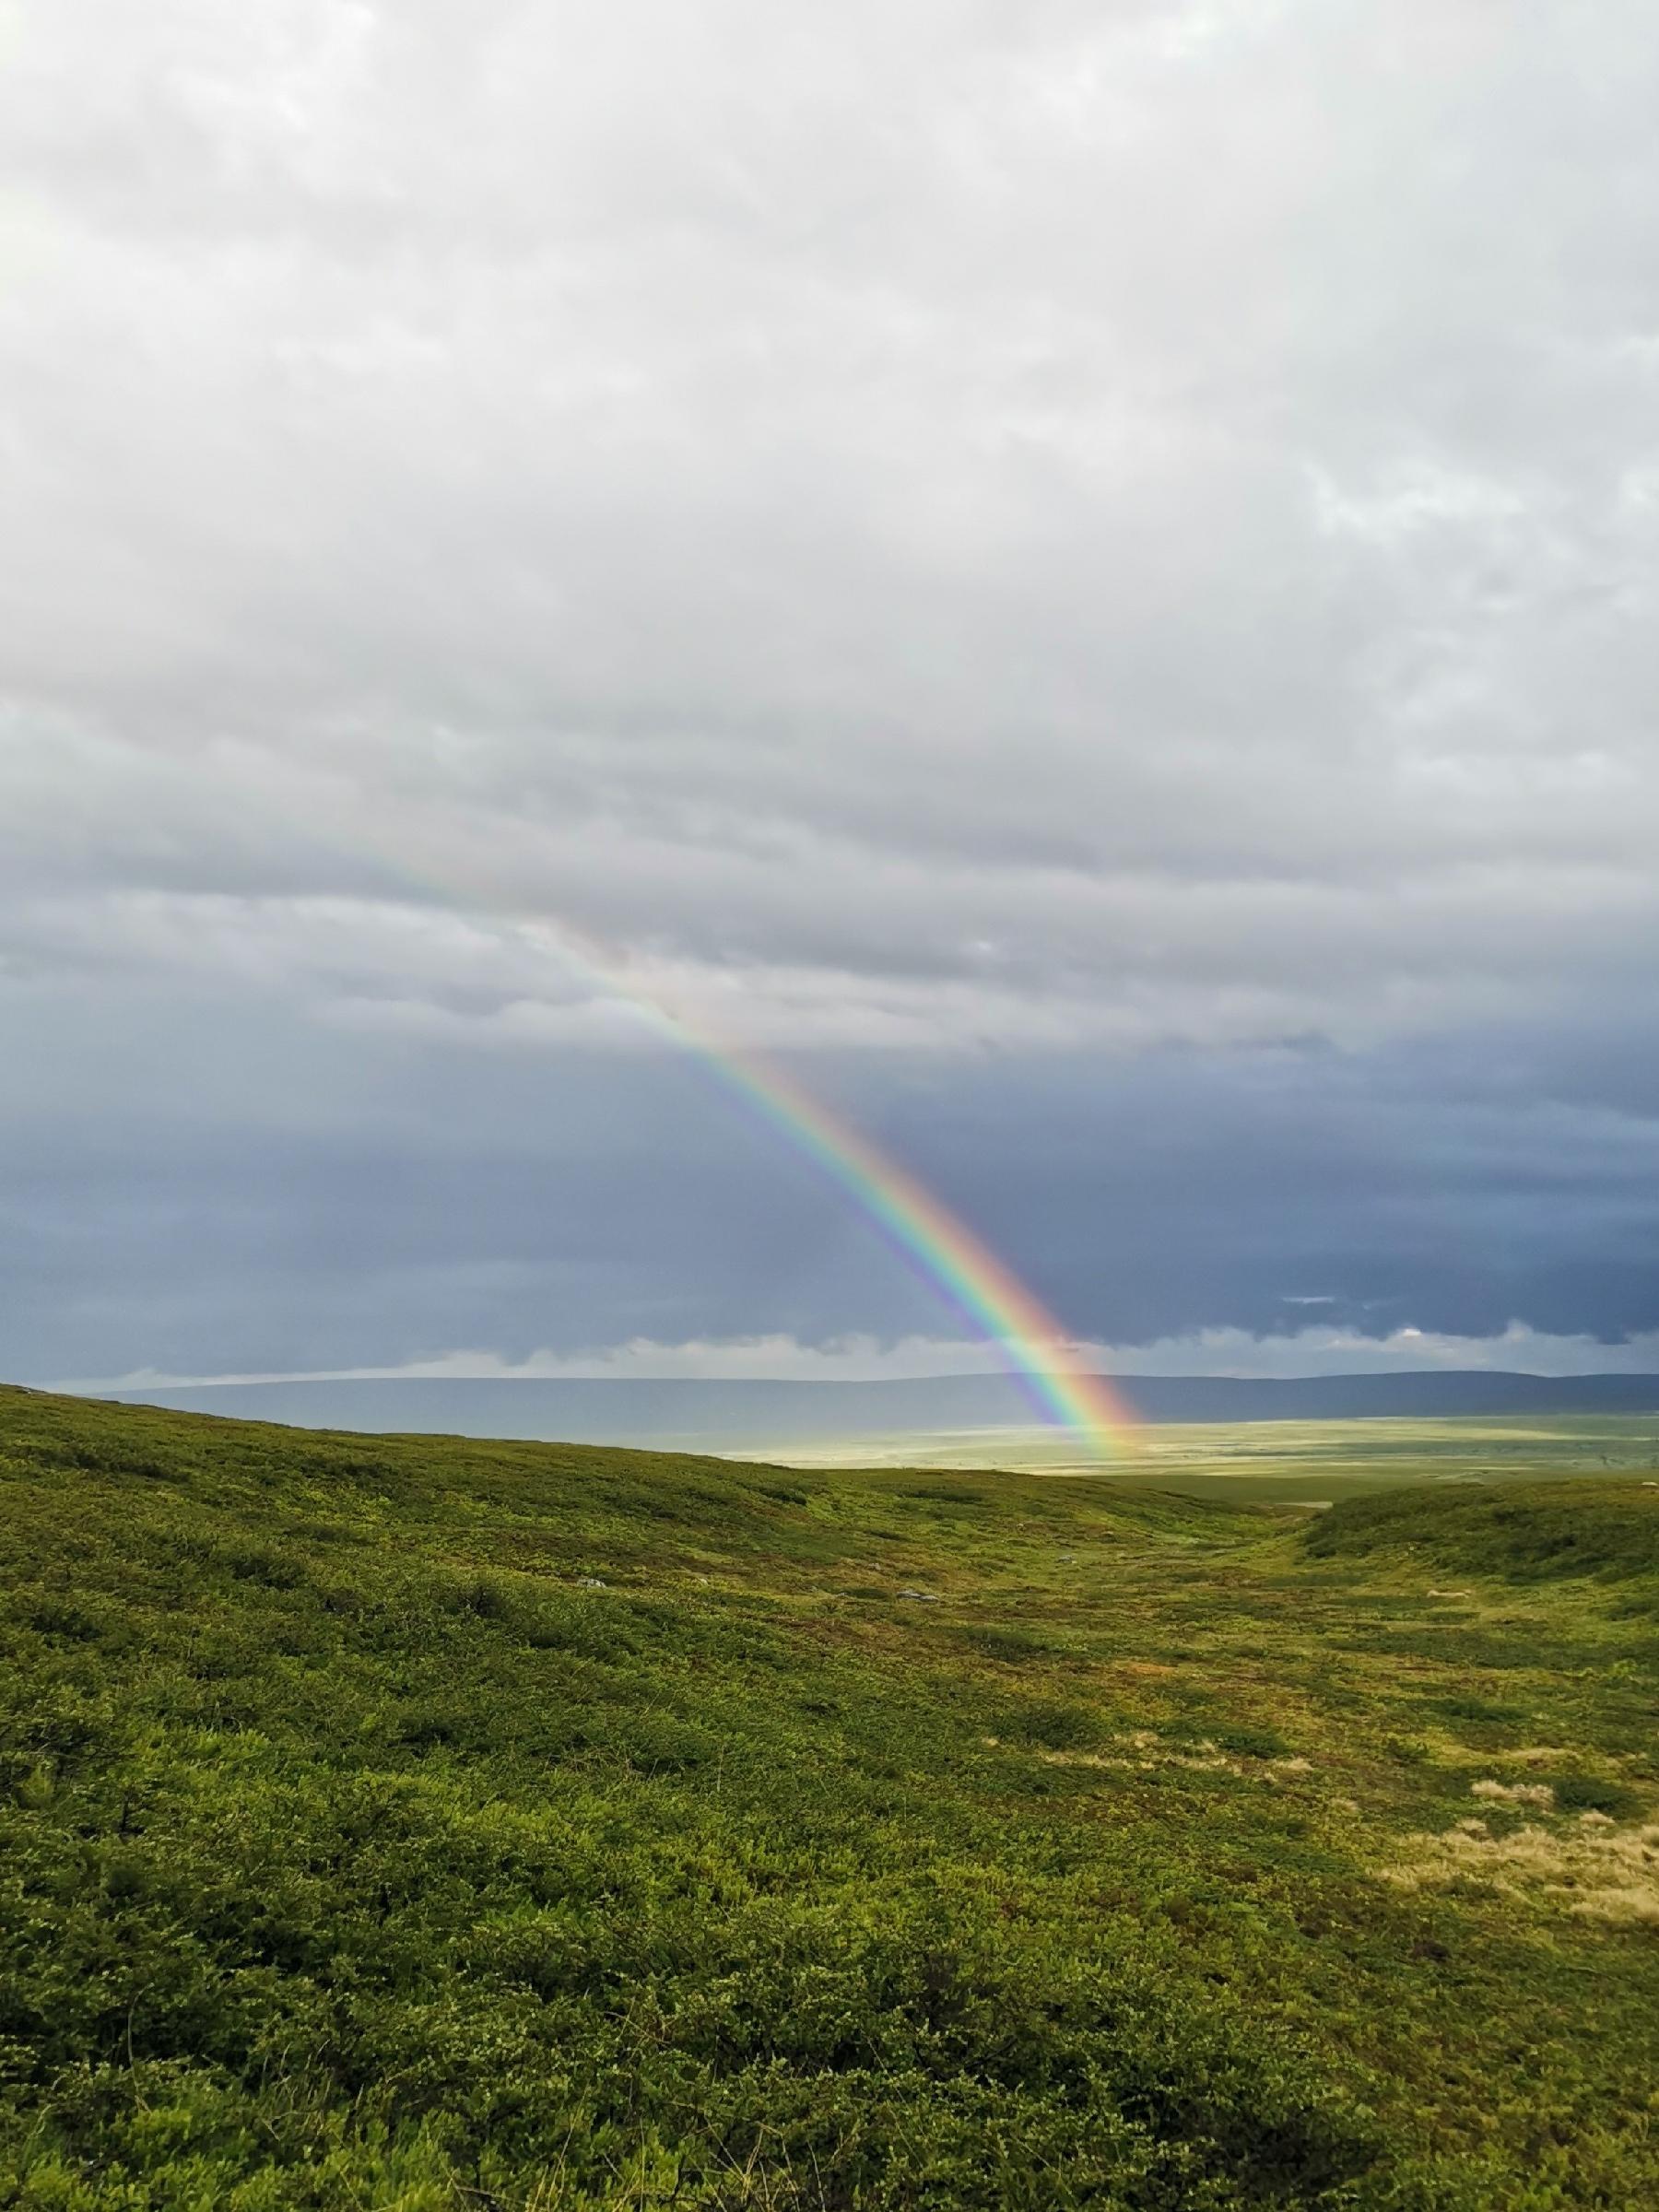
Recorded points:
783,1358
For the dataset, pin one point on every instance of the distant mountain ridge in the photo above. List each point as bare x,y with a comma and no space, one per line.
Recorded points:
758,1415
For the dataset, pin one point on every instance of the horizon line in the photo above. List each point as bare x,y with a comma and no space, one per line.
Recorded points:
148,1384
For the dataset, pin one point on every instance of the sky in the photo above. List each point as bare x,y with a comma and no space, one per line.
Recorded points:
1084,576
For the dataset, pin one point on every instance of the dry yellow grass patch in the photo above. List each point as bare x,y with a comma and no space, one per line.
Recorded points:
1593,1866
1516,1792
1202,1758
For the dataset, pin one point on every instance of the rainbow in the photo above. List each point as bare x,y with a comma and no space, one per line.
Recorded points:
958,1267
962,1269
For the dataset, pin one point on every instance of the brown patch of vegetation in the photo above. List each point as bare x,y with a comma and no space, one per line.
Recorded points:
1593,1867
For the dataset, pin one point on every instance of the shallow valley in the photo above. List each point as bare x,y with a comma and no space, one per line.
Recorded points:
427,1822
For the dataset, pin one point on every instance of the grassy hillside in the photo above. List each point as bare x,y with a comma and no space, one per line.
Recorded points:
1536,1534
411,1822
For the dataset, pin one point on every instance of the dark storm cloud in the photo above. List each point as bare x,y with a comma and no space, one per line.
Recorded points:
1450,1186
310,1190
1030,556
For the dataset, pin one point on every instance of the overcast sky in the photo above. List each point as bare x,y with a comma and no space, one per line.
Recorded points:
1084,574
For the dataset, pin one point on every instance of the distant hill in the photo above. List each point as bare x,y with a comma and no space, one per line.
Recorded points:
766,1415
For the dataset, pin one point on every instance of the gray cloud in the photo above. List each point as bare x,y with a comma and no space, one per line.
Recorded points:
1090,571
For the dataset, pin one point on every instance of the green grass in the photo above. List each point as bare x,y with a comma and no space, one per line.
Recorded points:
1302,1462
426,1823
